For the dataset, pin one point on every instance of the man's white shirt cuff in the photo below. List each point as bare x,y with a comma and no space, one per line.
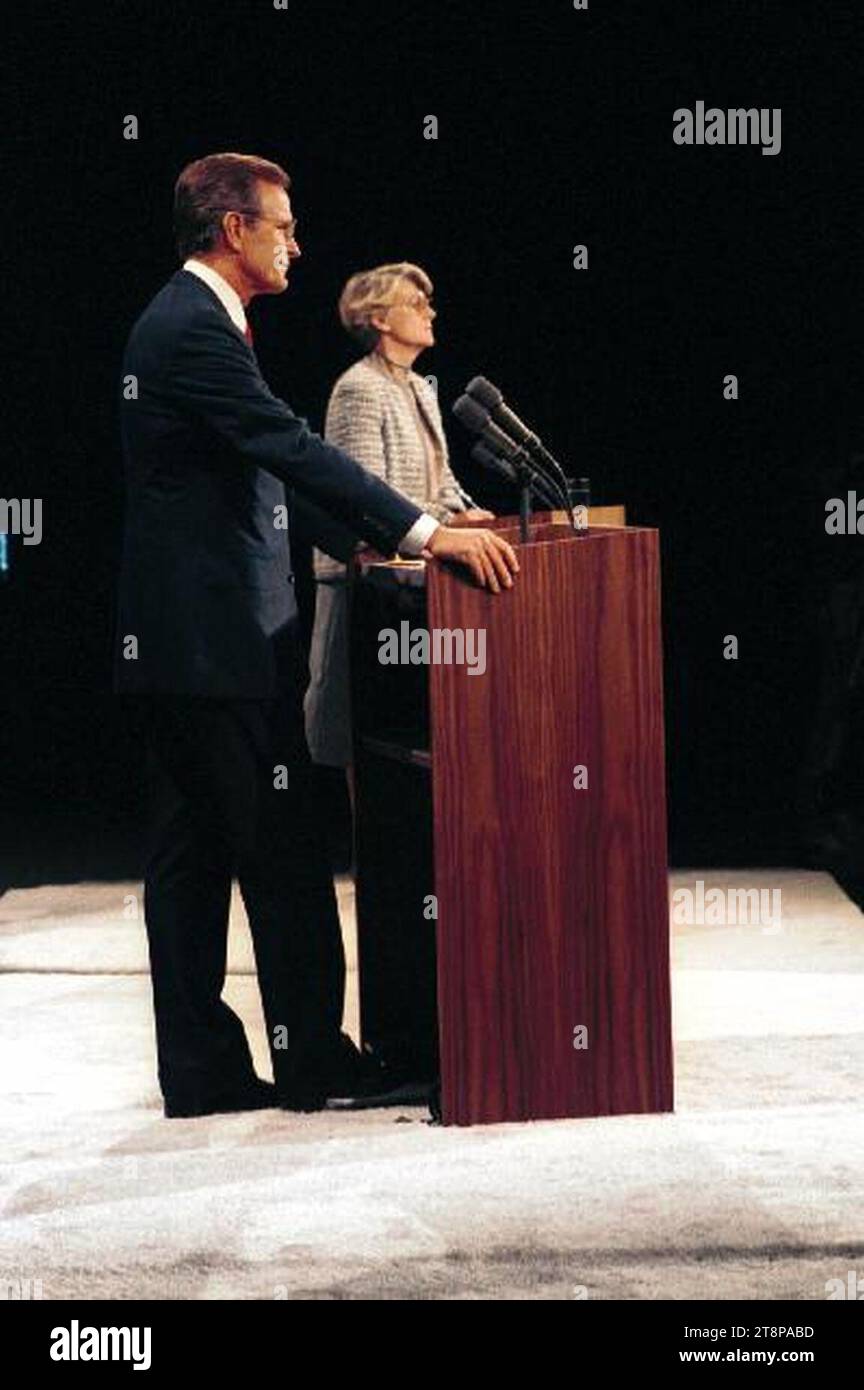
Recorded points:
414,541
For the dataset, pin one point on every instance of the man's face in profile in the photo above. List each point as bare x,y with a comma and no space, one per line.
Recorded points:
268,242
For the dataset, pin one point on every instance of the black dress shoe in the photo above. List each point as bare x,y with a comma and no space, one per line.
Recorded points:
341,1070
378,1094
255,1095
305,1101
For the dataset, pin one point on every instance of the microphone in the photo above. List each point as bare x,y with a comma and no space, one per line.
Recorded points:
488,459
473,416
491,399
494,462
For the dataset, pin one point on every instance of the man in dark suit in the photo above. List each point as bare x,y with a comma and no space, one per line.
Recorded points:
208,649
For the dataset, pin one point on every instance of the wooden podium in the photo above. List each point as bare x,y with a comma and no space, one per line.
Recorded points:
512,900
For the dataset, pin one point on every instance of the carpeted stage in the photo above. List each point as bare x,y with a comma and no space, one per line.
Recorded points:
753,1189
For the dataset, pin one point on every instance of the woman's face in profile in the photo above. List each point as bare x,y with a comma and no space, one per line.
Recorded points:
409,318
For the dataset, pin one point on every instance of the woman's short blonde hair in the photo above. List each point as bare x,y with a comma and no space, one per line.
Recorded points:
370,291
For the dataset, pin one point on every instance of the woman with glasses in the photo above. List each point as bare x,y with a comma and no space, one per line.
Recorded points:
386,415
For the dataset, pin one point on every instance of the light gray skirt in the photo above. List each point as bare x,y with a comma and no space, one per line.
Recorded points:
328,699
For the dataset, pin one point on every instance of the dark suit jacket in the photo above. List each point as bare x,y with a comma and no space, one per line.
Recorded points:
206,586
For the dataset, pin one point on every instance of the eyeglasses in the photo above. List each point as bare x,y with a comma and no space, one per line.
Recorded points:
288,229
420,304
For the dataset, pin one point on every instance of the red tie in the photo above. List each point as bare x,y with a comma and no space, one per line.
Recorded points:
247,334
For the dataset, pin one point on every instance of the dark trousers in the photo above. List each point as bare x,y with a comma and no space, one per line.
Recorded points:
221,811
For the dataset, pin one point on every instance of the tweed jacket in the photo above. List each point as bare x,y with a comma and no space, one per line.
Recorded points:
372,416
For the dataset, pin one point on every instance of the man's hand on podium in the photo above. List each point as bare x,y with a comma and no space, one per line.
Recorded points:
489,558
471,517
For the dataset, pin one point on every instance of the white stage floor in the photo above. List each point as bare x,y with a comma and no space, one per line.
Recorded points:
754,1188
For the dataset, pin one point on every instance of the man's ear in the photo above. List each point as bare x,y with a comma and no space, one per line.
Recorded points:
232,223
379,323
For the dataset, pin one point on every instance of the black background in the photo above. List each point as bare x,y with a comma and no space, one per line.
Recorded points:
555,128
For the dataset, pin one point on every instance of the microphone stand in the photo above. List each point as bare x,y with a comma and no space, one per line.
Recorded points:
524,509
527,475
